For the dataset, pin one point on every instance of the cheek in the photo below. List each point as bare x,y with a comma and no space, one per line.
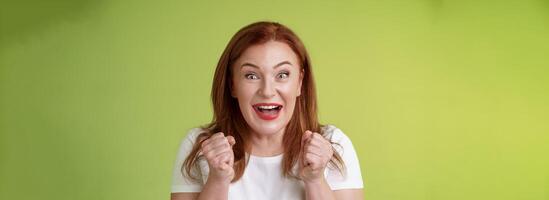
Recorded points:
290,89
290,93
245,91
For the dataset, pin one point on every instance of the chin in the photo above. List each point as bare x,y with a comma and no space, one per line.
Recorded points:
267,129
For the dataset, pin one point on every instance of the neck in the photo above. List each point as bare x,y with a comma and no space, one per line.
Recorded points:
267,145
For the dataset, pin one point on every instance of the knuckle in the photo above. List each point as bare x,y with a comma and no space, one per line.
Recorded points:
316,135
203,143
208,156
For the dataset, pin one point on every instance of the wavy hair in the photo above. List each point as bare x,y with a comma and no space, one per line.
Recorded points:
228,118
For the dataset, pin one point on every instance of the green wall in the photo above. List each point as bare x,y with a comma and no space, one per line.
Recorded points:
443,99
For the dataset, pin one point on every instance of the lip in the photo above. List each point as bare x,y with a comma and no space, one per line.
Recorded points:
266,116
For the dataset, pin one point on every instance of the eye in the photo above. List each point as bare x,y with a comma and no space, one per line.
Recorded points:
283,75
251,76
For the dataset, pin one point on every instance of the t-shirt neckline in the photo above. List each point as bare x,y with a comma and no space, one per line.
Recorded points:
267,158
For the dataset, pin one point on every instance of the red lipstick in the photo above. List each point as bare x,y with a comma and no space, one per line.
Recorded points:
267,111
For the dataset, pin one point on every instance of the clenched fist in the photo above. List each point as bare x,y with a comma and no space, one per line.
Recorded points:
219,153
316,152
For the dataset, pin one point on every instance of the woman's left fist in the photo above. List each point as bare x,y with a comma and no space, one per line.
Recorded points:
316,152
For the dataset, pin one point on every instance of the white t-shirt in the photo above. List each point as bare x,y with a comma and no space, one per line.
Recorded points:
263,178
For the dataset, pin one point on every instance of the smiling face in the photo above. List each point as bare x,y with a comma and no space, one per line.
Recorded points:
266,82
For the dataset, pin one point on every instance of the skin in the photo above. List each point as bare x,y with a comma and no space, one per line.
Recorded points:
268,73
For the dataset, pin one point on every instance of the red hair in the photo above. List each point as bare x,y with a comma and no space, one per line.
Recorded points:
228,118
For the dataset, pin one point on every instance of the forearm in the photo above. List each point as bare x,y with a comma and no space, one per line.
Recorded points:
318,190
214,190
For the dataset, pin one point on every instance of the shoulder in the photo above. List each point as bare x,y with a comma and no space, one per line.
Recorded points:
333,133
188,141
340,141
194,133
350,176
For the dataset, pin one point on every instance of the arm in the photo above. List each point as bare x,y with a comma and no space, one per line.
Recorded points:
218,152
316,153
212,190
184,196
349,194
321,191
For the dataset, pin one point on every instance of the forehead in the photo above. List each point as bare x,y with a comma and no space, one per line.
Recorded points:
268,55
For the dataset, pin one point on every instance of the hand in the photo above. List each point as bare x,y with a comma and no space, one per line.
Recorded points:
316,152
219,153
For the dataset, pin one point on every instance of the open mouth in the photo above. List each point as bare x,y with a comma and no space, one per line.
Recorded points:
267,111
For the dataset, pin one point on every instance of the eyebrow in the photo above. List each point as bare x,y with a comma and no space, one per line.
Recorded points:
277,65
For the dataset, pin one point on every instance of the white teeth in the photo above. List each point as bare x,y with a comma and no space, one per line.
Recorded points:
267,107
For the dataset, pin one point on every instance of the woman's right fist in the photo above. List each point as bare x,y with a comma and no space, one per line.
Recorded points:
219,153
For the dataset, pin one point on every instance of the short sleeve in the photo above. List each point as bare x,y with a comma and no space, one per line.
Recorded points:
181,183
352,178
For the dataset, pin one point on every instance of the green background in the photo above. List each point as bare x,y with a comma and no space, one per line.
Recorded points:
443,99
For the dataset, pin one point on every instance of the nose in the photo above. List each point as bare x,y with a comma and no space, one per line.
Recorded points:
267,89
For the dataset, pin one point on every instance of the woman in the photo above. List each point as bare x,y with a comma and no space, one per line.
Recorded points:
265,141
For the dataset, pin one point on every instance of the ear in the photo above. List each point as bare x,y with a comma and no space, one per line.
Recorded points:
301,75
